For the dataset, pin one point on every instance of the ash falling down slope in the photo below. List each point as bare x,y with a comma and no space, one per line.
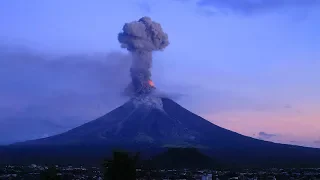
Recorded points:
149,122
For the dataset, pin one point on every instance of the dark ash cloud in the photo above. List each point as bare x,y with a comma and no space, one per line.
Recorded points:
250,7
141,38
264,135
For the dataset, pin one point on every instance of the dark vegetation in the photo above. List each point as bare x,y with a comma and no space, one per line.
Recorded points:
171,164
228,158
50,174
122,166
178,158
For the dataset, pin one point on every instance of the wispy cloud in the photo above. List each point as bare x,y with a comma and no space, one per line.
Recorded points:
144,6
264,135
250,7
63,90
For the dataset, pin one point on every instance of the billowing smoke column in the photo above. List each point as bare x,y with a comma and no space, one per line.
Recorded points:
141,38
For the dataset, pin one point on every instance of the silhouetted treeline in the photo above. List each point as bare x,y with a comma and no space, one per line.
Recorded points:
50,174
121,166
92,155
182,158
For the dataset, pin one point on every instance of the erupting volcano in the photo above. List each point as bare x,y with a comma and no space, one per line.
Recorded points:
140,38
148,121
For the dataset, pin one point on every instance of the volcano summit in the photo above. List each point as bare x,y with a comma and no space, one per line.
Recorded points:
149,123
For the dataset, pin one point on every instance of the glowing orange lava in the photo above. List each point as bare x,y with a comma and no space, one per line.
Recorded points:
151,83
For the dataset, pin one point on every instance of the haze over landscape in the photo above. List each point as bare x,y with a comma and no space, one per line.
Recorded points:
250,68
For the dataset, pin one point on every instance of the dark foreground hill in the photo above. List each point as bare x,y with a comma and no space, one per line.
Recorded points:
149,125
178,158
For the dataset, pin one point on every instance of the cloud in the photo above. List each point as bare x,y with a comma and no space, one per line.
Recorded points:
45,136
144,6
288,106
317,142
49,94
264,135
250,7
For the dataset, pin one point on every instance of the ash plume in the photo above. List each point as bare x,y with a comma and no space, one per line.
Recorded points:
140,38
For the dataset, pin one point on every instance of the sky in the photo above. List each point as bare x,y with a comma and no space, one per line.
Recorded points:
251,66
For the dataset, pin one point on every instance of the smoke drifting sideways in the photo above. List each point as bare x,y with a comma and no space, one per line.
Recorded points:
56,86
140,38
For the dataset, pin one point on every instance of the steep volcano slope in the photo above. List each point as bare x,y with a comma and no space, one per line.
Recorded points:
131,127
171,125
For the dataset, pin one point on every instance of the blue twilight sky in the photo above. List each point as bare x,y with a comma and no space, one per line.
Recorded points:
251,66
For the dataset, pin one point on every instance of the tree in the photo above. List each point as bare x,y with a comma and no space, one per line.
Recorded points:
121,167
50,174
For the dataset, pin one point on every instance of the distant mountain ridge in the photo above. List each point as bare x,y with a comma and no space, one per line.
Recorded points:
151,126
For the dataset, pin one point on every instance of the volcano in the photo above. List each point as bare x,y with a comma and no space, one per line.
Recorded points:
151,124
147,120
